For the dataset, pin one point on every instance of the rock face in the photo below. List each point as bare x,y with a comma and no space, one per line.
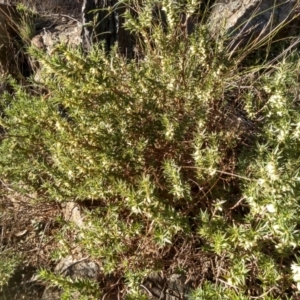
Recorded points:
63,30
246,21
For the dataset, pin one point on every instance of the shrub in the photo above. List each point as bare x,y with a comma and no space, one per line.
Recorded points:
8,265
181,144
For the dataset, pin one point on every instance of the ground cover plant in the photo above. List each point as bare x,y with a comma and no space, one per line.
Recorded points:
186,160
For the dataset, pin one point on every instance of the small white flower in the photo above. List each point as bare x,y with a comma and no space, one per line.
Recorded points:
193,50
282,135
70,174
271,170
293,244
276,228
58,125
271,208
296,273
267,89
212,171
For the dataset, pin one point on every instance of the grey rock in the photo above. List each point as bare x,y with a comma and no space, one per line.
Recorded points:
173,287
59,30
66,31
51,293
246,21
83,268
72,213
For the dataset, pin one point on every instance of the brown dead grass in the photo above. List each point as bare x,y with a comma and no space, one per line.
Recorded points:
27,227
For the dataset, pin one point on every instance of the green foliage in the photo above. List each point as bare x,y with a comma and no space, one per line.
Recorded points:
211,292
180,143
86,289
8,265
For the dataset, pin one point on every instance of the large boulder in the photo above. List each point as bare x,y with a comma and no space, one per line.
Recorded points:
61,30
251,21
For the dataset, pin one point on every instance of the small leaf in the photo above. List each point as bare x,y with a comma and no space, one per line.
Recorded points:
21,233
